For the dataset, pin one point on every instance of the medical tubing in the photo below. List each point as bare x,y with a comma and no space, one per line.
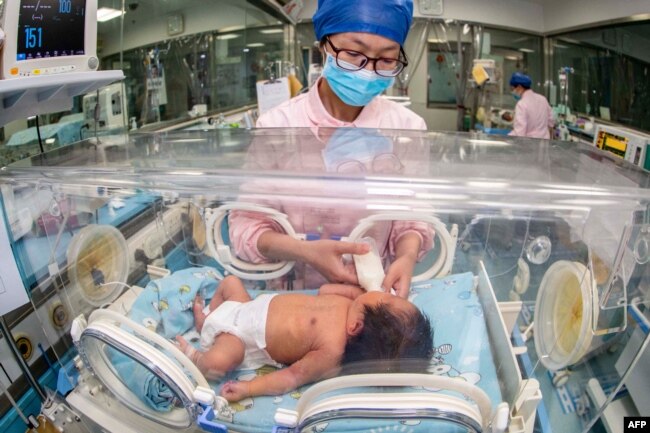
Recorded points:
120,283
58,238
523,247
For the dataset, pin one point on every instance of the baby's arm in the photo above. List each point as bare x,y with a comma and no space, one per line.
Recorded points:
315,365
225,355
346,290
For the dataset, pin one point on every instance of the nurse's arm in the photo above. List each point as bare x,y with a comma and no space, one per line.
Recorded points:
323,255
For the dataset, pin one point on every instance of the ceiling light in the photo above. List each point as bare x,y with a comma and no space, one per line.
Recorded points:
526,50
490,142
255,45
231,29
105,14
228,36
271,31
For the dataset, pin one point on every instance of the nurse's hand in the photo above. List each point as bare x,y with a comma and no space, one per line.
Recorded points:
326,256
399,276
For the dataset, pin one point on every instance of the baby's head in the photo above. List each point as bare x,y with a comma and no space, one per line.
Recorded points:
385,327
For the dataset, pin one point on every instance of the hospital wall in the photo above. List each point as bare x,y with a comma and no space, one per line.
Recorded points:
141,30
520,14
562,15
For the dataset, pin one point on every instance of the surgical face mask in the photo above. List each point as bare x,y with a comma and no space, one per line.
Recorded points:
516,95
355,88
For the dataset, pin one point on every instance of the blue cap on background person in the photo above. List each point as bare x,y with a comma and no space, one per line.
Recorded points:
388,18
519,79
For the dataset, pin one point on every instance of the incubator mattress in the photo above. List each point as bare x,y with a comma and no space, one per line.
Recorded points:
461,351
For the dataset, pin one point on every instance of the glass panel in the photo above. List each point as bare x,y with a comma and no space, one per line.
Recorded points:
207,61
446,73
609,76
513,52
442,81
557,226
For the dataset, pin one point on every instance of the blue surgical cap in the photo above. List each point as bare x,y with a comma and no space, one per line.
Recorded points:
519,79
388,18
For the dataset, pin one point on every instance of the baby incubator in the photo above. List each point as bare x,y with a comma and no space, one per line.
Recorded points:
535,282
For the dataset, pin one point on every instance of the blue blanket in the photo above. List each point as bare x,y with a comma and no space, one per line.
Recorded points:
164,306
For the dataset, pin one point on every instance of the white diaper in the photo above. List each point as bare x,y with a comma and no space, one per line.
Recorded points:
246,321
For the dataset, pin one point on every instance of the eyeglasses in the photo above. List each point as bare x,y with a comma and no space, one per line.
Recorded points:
351,60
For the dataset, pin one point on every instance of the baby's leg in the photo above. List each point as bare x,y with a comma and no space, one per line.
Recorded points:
225,355
230,289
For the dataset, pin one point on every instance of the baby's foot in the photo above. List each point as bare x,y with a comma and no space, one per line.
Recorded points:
197,310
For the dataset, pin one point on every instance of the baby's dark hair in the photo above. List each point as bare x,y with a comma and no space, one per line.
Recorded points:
390,336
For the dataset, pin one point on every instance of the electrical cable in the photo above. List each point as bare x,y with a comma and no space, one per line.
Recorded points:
38,133
5,372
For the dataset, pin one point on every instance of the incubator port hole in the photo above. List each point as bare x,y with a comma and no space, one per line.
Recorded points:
568,314
564,311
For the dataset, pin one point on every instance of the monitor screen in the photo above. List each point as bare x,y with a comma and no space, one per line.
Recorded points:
50,28
614,143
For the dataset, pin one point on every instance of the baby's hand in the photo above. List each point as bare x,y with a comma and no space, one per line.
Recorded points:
181,343
235,391
186,348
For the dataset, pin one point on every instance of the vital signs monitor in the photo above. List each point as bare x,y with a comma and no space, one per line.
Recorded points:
46,37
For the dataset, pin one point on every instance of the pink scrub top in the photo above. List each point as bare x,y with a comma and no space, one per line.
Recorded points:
533,116
307,110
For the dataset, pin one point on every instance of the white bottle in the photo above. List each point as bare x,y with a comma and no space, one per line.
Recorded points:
369,267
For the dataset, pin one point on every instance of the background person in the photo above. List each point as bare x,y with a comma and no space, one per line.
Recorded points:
533,114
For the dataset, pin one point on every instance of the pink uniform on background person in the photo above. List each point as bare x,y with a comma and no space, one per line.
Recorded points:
533,116
307,110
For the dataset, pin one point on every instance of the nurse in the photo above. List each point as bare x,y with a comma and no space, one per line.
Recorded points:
533,115
362,41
